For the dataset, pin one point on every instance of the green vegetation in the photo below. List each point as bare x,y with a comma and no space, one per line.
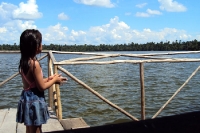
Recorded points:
149,46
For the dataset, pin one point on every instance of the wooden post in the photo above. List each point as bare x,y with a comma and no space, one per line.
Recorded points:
59,115
96,93
50,90
142,91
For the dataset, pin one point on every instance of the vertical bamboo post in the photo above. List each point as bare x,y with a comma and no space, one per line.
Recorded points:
59,115
142,91
50,90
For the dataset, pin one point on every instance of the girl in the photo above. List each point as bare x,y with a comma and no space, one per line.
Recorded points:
32,108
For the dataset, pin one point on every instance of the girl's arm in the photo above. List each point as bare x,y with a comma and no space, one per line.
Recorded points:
49,78
36,70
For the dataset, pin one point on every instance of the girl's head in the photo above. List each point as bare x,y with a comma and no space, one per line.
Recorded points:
30,43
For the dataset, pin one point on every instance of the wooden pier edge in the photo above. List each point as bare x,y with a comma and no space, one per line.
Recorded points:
8,122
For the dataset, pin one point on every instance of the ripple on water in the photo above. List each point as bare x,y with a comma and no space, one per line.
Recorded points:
119,83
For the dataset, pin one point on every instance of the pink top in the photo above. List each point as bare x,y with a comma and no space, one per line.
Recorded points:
31,85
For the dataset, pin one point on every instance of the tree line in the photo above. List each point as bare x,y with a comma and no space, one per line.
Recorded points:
193,45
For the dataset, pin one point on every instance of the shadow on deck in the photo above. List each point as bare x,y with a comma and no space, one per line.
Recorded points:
183,123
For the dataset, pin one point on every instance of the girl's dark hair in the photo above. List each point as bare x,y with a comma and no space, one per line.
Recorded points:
30,40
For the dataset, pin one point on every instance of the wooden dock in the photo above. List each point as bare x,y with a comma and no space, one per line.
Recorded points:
8,123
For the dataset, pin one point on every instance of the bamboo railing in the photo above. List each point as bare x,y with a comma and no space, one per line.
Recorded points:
54,66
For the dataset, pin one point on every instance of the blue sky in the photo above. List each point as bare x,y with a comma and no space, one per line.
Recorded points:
101,21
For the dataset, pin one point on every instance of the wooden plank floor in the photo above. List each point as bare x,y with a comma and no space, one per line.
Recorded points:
8,122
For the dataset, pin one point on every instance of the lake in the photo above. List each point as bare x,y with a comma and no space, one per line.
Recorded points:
119,83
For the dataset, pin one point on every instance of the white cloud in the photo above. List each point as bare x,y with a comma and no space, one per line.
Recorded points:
63,16
103,3
113,32
171,6
6,12
153,12
55,33
148,13
141,5
27,11
142,14
11,31
3,29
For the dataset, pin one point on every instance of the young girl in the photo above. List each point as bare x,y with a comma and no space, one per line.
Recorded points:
32,108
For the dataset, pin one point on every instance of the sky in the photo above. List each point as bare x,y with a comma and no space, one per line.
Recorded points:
96,22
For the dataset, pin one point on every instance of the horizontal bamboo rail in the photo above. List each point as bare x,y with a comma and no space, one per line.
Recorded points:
8,79
96,93
127,61
16,74
151,54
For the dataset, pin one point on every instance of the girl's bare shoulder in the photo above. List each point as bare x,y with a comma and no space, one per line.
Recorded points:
34,64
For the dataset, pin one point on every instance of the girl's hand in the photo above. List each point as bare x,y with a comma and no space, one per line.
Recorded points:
51,77
60,79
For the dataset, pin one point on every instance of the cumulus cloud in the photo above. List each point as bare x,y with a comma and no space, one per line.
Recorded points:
148,13
153,12
10,31
6,12
63,16
141,5
171,6
27,11
103,3
113,32
12,25
55,33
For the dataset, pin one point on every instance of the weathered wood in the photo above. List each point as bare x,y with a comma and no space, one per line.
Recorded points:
52,57
73,123
3,113
9,121
90,58
50,90
59,115
97,94
16,74
53,123
127,61
8,79
142,91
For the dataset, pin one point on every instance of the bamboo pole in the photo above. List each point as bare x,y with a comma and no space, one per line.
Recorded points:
128,61
53,86
97,94
52,57
176,92
8,79
90,58
59,115
16,74
151,54
80,53
50,90
142,91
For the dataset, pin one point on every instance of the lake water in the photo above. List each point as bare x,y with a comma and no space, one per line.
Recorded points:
119,83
